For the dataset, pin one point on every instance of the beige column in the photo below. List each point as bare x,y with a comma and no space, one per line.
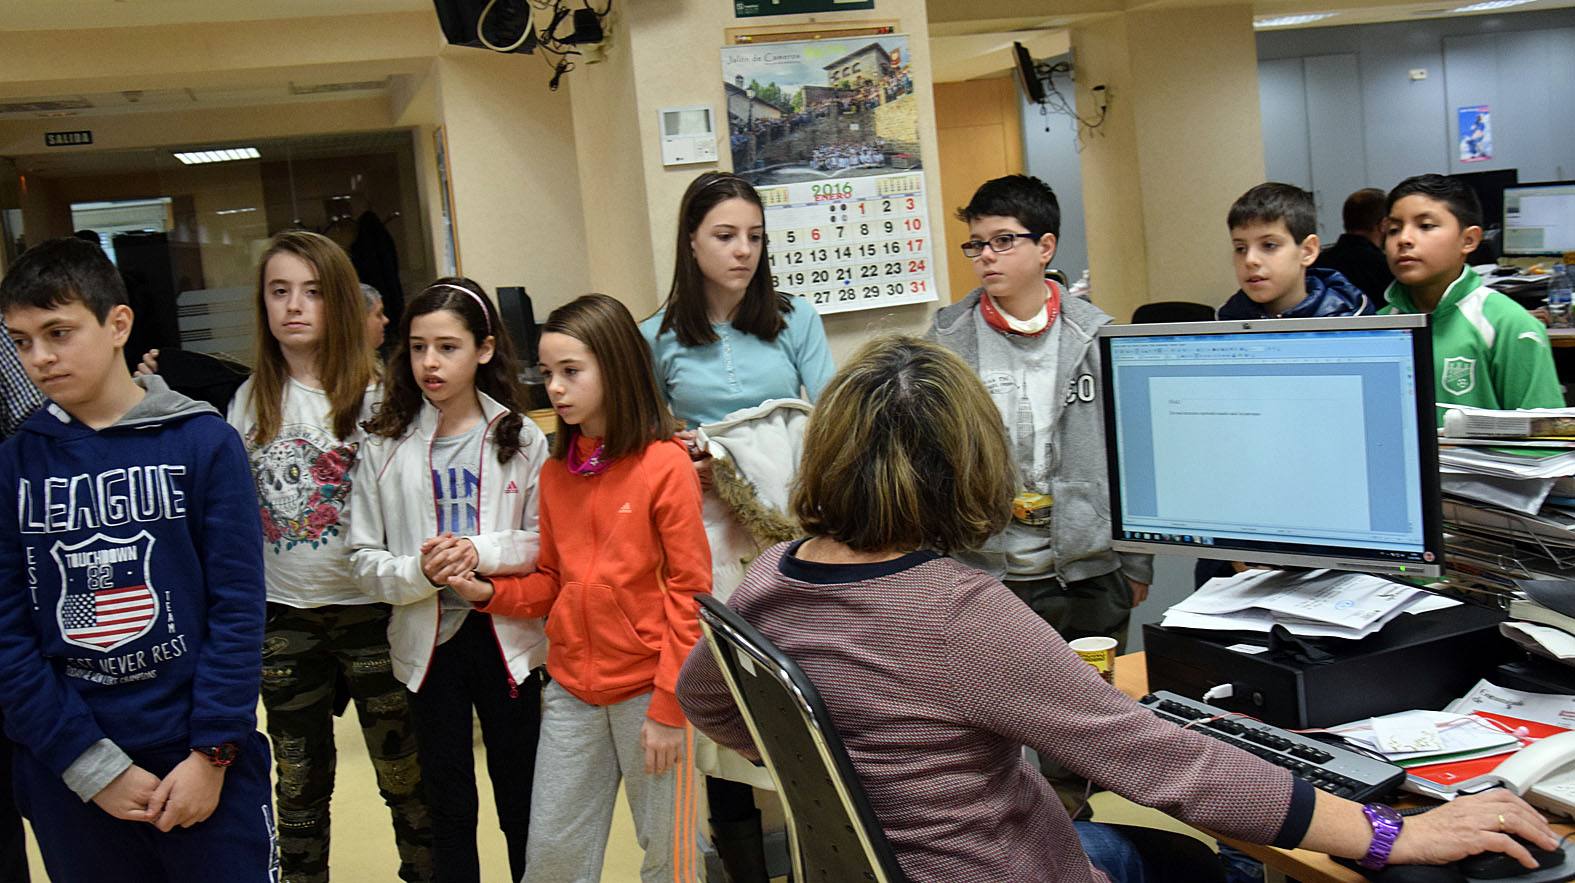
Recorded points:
1181,140
512,160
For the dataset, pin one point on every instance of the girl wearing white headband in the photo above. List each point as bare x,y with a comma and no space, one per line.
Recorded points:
449,487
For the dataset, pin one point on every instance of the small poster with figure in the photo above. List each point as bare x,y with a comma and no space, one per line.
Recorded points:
828,132
1476,133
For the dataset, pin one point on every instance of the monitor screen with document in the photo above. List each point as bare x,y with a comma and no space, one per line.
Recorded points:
1306,442
1539,219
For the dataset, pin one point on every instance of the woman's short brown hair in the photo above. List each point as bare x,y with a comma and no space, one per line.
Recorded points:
905,451
632,402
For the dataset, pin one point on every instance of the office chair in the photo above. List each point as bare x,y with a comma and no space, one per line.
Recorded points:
1172,311
833,834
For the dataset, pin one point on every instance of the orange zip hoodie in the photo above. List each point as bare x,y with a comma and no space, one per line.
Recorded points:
623,555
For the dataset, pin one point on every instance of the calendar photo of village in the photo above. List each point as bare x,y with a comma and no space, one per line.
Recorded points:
820,110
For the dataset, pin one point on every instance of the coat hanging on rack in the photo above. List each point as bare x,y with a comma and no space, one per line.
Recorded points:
376,260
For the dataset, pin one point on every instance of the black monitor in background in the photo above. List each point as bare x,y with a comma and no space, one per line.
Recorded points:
1028,74
1489,188
518,317
1304,442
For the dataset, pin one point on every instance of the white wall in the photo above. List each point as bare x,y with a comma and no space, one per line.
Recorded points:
1387,126
1051,154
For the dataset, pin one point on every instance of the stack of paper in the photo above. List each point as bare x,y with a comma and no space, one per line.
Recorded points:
1509,498
1542,621
1506,462
1317,603
1412,738
1456,750
1543,640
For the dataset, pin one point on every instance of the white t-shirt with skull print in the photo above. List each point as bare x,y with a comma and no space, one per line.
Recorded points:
303,491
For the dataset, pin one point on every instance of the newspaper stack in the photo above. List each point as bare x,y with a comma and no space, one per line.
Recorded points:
1509,497
1508,483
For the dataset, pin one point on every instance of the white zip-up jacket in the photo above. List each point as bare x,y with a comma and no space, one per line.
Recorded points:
764,444
393,510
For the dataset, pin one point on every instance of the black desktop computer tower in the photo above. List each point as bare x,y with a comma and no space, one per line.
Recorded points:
1417,661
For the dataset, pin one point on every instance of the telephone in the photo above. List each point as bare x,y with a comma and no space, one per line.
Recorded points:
1544,773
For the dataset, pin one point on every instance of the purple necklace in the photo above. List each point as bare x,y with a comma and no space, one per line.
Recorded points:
591,465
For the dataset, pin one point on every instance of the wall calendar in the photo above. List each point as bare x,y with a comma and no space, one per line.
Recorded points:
827,131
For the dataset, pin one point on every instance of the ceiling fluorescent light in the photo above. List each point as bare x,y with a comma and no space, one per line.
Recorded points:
1488,5
195,157
1285,21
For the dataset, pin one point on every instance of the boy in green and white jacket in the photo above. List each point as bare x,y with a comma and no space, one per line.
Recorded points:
1488,352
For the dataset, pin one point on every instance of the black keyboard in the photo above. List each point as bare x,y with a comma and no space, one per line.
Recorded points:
1341,772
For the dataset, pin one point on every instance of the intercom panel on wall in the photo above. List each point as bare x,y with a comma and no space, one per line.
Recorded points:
688,135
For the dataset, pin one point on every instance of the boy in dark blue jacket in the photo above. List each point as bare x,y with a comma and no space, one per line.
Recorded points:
1274,233
131,601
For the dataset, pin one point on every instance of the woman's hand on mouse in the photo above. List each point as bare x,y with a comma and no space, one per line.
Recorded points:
1472,824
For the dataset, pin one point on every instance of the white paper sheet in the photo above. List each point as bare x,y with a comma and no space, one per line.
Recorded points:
1554,709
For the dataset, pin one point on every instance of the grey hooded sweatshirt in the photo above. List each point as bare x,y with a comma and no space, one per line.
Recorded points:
1077,545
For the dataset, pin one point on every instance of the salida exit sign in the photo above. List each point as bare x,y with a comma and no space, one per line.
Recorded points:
68,139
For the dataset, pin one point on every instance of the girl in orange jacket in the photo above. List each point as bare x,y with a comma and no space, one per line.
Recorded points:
623,555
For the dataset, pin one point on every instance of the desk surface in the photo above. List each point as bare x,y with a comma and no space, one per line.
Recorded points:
1301,864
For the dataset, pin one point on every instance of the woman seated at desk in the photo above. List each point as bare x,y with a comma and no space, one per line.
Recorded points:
936,674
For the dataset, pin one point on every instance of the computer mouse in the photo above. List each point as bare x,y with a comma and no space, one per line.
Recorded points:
1500,866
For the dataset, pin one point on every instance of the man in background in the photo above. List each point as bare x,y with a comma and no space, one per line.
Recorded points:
1358,254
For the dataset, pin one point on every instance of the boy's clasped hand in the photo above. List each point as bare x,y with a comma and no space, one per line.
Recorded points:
188,795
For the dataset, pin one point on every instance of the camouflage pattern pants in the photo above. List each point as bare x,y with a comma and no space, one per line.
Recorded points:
309,655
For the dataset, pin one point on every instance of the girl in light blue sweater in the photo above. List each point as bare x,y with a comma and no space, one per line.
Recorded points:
726,339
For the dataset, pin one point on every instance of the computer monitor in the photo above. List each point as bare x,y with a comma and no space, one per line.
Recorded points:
514,308
1489,188
1304,442
1539,218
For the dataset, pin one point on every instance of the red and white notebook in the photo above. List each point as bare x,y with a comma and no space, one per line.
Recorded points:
1448,778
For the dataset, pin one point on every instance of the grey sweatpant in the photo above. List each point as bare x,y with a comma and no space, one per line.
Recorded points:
584,750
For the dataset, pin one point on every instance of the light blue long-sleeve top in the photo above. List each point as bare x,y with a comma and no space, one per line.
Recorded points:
739,370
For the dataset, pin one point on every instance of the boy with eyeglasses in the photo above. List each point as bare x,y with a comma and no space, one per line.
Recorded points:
1034,349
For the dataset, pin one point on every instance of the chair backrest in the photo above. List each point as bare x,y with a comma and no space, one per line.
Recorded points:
834,834
1172,311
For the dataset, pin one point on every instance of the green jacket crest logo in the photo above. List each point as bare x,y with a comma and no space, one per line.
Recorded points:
1460,375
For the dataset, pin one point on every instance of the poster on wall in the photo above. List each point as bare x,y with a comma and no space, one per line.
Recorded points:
828,132
752,8
1476,133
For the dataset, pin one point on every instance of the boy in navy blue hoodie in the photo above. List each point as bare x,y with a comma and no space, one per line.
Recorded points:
131,601
1274,233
